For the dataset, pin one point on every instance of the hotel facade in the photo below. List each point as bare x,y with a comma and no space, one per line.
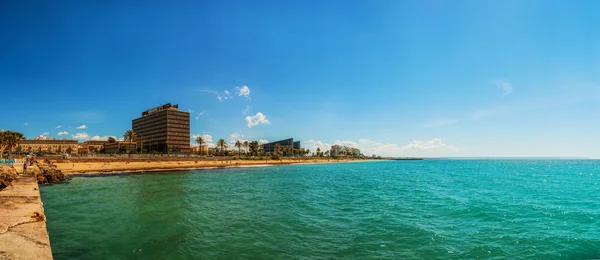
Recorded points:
48,146
270,147
338,150
163,129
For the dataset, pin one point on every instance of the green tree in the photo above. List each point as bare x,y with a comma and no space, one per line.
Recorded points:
69,150
9,140
318,151
246,144
254,147
111,139
129,136
200,142
238,145
222,144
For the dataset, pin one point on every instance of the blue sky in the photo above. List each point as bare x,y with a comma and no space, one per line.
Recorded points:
402,78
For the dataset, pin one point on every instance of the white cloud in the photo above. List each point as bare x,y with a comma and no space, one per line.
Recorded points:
208,140
199,114
26,124
59,126
62,133
246,110
81,127
243,91
433,147
263,141
81,136
257,119
103,138
440,122
236,137
312,145
46,133
504,86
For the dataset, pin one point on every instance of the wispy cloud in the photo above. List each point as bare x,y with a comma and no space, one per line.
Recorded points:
46,133
62,133
257,119
504,86
440,122
59,126
26,124
246,110
243,91
482,113
81,127
199,114
225,95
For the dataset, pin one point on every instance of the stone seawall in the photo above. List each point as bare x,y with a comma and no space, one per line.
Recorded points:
23,233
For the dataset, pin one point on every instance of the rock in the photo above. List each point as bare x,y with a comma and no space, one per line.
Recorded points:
49,174
7,175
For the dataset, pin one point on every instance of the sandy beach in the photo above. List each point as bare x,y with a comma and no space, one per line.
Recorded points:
110,165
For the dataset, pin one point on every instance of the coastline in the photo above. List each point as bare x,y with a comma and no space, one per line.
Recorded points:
82,167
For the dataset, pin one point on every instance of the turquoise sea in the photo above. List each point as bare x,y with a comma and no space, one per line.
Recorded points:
444,209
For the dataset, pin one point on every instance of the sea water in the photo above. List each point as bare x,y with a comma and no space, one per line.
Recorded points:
447,209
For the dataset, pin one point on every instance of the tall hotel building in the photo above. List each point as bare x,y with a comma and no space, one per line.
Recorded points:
163,129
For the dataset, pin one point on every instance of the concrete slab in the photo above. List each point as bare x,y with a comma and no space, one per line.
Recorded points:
21,235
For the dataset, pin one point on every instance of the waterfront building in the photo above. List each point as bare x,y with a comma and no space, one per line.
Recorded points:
339,150
200,150
164,128
120,146
48,146
93,146
270,147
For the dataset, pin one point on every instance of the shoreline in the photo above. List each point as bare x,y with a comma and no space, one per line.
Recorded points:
88,168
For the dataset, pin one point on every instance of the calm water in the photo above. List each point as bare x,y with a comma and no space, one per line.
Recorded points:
451,209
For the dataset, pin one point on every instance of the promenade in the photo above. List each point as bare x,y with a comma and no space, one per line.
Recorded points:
23,233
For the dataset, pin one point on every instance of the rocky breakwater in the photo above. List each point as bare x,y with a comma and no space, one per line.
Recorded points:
48,173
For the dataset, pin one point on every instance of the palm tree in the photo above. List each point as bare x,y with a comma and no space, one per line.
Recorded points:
3,142
222,144
246,144
318,151
130,136
307,151
238,145
200,141
253,147
10,140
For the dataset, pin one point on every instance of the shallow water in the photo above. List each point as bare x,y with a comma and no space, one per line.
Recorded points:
451,209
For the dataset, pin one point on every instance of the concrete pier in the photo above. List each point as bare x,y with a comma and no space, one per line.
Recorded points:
23,233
